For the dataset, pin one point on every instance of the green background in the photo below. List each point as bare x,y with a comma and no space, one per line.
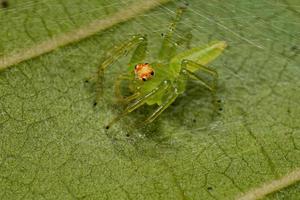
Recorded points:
52,142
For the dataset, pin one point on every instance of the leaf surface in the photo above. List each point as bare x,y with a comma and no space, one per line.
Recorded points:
52,141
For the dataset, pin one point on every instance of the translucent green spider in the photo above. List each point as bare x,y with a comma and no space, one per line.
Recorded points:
162,81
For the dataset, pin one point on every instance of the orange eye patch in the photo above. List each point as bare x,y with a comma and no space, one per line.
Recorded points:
143,71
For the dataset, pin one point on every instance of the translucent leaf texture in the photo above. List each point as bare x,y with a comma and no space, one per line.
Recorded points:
52,141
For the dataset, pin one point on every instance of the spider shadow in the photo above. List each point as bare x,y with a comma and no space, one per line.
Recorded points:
193,109
197,107
148,141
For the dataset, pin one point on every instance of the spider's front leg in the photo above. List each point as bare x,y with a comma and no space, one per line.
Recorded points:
172,95
167,49
141,100
186,40
138,41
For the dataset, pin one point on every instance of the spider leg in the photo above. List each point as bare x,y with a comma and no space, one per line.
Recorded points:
114,54
185,66
167,49
186,63
185,40
131,97
139,53
170,99
140,101
117,86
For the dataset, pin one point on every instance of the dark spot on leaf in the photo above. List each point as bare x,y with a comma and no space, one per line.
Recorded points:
220,109
219,101
209,188
107,127
95,103
294,48
194,120
4,3
162,34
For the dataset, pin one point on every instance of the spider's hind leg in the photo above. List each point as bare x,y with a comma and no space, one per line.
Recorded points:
188,65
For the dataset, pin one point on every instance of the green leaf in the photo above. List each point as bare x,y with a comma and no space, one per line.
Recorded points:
52,141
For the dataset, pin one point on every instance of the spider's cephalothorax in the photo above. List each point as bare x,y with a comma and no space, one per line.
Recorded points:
171,68
143,71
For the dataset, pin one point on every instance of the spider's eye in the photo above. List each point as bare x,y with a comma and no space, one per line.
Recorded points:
135,66
152,73
144,79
